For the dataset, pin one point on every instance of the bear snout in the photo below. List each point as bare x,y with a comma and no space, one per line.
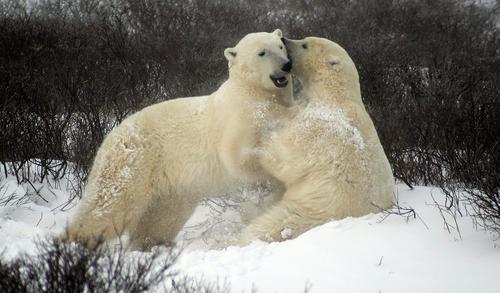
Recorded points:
287,67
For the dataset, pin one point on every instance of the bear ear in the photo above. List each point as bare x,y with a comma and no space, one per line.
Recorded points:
278,33
230,54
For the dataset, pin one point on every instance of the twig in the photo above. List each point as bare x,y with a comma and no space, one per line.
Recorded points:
40,220
380,262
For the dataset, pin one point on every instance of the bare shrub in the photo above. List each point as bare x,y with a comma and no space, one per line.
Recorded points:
59,266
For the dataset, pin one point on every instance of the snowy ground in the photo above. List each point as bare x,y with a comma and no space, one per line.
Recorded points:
364,254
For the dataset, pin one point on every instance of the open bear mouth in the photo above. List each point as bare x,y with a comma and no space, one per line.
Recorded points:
280,82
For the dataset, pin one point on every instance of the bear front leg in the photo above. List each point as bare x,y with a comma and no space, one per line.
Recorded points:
300,209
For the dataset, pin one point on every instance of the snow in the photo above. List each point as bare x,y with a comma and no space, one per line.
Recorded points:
286,233
363,255
374,253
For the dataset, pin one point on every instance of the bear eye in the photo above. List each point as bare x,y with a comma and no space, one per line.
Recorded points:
281,47
262,53
304,45
334,61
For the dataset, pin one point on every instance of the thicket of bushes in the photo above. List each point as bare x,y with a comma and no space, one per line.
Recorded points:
71,70
69,267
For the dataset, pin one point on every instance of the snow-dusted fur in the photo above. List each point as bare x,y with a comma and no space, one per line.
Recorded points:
329,157
153,169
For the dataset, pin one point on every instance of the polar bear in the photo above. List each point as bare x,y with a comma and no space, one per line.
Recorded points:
329,157
153,169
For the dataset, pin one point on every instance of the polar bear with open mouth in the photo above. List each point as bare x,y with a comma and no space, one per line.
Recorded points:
153,169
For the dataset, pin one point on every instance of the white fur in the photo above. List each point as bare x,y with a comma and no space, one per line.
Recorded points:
153,169
329,157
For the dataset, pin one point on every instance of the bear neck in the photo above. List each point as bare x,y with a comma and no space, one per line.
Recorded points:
332,90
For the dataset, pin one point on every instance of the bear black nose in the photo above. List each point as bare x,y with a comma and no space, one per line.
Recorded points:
287,67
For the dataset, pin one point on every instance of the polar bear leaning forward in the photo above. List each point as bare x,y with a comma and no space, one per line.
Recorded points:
329,157
153,169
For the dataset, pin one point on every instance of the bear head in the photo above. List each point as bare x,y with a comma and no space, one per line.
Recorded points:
260,60
319,62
